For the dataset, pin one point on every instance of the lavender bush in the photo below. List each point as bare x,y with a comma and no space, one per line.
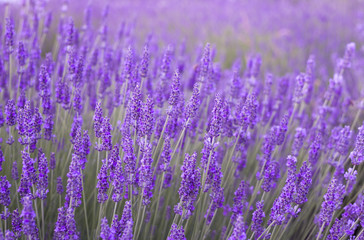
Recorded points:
140,133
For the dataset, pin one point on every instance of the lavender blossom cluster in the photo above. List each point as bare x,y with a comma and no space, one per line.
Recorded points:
105,137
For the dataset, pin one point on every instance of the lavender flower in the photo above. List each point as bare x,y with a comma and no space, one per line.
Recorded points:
42,183
72,232
176,233
298,91
9,36
303,183
147,121
282,204
357,155
175,89
190,185
59,185
146,174
16,223
240,198
343,143
52,161
128,231
144,62
127,216
205,63
102,184
74,183
4,191
106,129
257,219
60,226
193,103
299,137
216,121
239,229
332,201
105,229
10,112
28,215
98,120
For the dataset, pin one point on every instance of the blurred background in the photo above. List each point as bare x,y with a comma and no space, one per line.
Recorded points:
283,32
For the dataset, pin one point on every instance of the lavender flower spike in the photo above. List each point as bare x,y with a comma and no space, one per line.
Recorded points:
28,215
357,155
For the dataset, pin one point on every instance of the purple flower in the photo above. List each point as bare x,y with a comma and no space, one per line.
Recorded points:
239,229
70,37
357,155
9,235
190,185
22,54
175,89
28,215
303,183
4,191
146,120
115,229
74,183
343,143
106,129
240,200
102,184
72,232
146,173
216,121
129,158
127,216
9,36
60,228
98,120
298,91
136,103
299,137
42,182
166,154
16,223
144,62
336,230
128,231
194,103
248,115
350,176
332,201
214,180
257,219
59,185
282,204
77,101
314,152
346,62
176,233
283,126
10,112
205,63
48,127
28,176
105,229
52,161
271,175
118,180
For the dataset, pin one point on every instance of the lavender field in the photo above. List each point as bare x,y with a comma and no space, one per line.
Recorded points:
182,119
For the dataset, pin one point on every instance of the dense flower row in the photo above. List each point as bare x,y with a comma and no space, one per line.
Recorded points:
107,139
